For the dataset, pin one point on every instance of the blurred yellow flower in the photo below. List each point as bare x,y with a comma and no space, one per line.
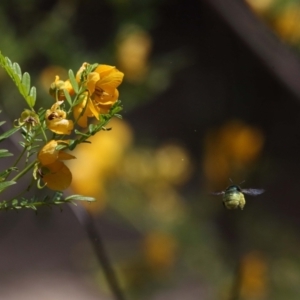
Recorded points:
173,164
260,6
53,172
102,85
253,272
160,250
56,120
230,150
134,46
287,23
105,154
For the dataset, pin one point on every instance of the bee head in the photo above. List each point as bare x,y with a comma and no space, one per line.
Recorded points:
233,188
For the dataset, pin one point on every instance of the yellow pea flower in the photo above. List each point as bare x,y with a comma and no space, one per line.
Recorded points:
102,85
56,120
52,170
57,176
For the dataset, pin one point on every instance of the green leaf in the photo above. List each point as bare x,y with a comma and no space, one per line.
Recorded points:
8,133
73,81
26,83
32,96
34,203
14,202
5,184
68,98
17,70
6,172
8,62
92,67
117,107
61,147
22,81
5,153
80,198
81,133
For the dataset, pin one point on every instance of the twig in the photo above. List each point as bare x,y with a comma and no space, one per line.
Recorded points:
87,222
236,285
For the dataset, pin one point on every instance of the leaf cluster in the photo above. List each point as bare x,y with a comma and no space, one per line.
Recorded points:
22,81
34,202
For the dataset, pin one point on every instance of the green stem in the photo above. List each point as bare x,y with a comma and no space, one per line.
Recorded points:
44,134
17,161
20,156
88,223
24,171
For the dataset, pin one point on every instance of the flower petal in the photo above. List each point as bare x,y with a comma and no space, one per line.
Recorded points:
63,126
111,81
58,177
91,81
48,154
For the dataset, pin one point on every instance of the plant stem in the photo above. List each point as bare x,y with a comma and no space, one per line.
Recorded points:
87,221
24,171
236,285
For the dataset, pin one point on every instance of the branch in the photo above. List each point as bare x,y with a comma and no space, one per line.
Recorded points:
279,59
87,222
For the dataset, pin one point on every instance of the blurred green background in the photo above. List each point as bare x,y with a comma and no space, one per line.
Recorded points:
200,107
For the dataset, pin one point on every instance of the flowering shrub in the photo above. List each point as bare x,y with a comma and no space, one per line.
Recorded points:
81,106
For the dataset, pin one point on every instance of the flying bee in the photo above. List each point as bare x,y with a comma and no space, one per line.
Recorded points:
233,196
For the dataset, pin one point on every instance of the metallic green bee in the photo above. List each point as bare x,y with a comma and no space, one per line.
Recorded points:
233,196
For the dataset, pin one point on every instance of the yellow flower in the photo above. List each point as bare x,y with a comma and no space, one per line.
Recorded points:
105,154
56,120
58,87
160,250
102,85
53,171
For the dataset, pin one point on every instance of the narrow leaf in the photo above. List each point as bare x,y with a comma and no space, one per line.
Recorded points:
26,82
73,81
80,198
8,62
6,172
68,98
8,133
5,153
17,70
32,97
6,184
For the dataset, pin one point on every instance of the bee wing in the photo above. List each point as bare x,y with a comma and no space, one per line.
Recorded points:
218,193
253,192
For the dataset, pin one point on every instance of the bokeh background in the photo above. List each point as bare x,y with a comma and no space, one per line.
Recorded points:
211,93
